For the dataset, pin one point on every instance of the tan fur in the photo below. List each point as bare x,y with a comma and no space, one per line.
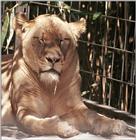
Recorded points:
44,101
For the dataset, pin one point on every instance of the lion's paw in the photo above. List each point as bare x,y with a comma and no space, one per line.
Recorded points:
119,127
66,130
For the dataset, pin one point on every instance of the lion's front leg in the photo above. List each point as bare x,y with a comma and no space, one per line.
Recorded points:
105,126
41,126
86,120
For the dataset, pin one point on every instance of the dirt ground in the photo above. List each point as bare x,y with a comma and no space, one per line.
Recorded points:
12,133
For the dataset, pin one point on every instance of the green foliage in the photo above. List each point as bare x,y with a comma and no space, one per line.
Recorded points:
96,15
5,27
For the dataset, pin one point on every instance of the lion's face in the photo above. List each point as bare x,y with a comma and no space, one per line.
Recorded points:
46,42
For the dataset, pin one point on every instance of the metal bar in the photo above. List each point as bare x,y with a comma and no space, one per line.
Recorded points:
112,63
109,78
104,52
133,72
118,18
131,100
109,47
82,12
126,57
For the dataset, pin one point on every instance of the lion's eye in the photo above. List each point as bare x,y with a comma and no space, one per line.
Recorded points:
43,42
38,46
64,44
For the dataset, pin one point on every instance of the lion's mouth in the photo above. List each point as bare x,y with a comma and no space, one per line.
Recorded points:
51,71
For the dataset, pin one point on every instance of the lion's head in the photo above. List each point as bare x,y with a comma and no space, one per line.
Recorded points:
46,43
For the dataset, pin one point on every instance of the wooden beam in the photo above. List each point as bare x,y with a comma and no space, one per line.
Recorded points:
111,112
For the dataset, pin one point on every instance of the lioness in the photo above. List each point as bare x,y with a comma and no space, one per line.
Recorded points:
41,81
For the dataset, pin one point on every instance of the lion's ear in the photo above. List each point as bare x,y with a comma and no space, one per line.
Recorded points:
19,20
78,27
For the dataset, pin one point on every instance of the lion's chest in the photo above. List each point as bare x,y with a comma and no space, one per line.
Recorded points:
48,106
38,98
42,104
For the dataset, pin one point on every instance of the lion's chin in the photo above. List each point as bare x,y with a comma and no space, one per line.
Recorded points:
54,76
49,77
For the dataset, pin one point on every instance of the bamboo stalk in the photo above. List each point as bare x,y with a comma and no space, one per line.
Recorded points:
112,66
126,56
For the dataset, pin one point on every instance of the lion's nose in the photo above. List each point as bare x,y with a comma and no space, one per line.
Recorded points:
53,60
